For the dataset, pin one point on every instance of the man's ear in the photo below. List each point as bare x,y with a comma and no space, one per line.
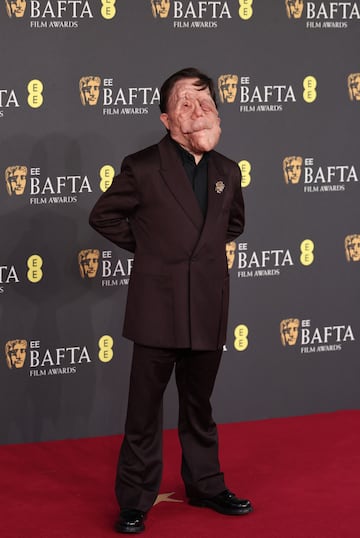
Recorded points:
165,120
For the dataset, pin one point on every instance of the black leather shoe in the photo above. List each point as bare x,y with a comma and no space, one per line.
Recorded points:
225,503
131,521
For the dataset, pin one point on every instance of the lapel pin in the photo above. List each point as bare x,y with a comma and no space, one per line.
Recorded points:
219,186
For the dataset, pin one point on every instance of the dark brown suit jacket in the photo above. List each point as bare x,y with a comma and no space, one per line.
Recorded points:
179,287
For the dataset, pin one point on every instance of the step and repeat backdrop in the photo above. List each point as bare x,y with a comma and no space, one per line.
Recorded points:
79,90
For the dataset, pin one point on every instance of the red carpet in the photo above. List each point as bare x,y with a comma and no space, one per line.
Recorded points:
302,474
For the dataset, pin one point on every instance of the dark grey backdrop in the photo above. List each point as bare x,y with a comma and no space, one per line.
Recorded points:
63,389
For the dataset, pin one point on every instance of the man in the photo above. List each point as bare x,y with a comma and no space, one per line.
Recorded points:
175,204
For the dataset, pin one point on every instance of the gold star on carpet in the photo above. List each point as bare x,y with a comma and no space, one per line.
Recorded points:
165,497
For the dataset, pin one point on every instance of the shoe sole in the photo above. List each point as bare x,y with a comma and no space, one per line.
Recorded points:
129,530
225,511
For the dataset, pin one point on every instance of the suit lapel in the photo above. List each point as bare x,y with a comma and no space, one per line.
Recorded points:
174,175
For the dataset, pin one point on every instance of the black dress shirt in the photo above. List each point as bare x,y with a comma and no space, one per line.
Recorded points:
197,174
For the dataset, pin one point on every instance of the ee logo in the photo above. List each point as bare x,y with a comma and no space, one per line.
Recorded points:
245,9
307,252
309,93
241,341
108,9
106,348
35,89
245,168
34,264
107,173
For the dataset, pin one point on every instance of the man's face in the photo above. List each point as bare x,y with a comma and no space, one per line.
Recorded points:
160,8
229,89
90,264
16,353
294,8
292,170
17,7
354,248
91,92
354,87
191,117
230,253
290,332
16,180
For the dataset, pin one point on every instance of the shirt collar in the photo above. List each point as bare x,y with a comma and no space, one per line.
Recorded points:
187,156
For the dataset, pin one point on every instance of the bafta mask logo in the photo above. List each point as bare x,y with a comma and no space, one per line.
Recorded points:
294,8
230,250
354,86
15,179
15,8
292,169
352,248
289,331
88,262
160,8
89,90
15,353
227,85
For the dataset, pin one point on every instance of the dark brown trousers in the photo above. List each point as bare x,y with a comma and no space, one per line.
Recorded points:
140,461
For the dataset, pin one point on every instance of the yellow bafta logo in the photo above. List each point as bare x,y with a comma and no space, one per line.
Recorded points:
230,249
15,353
294,8
160,8
227,85
354,86
292,169
89,88
88,260
15,8
15,179
352,248
289,331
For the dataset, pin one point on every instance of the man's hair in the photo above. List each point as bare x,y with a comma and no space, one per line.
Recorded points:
203,81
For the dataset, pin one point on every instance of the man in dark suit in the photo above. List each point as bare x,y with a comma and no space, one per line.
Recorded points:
175,205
